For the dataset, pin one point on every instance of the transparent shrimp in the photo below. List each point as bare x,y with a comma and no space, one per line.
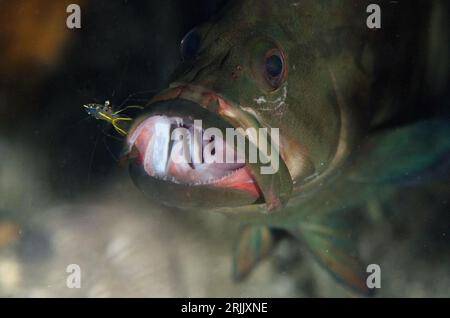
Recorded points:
106,113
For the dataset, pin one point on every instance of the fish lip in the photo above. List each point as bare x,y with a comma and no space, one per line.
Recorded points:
232,115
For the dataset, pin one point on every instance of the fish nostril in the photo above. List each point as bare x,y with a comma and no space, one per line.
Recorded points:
224,59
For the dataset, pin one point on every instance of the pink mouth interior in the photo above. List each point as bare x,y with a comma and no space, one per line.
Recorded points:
161,158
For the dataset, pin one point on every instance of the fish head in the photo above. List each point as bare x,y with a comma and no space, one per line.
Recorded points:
267,67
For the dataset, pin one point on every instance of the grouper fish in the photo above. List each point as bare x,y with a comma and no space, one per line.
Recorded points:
334,87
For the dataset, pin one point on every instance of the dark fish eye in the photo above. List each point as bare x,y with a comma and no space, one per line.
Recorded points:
190,45
274,67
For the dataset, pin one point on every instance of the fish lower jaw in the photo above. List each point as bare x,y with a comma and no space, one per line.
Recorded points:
205,182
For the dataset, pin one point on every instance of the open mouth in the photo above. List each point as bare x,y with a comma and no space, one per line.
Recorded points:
181,176
175,149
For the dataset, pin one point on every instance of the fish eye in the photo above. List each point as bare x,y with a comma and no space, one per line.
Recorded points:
190,45
274,67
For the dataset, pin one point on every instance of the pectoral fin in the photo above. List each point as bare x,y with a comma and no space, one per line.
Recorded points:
254,243
417,151
334,248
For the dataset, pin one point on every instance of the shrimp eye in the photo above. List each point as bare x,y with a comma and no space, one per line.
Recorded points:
190,45
274,67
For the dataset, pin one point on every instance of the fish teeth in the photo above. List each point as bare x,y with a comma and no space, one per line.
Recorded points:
158,151
178,121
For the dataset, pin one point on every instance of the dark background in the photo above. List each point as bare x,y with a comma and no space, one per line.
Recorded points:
124,52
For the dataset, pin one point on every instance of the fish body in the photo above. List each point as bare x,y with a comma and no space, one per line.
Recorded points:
332,86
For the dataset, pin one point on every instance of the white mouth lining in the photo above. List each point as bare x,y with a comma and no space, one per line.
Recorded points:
156,156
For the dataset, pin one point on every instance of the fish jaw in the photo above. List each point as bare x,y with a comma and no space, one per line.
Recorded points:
243,182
